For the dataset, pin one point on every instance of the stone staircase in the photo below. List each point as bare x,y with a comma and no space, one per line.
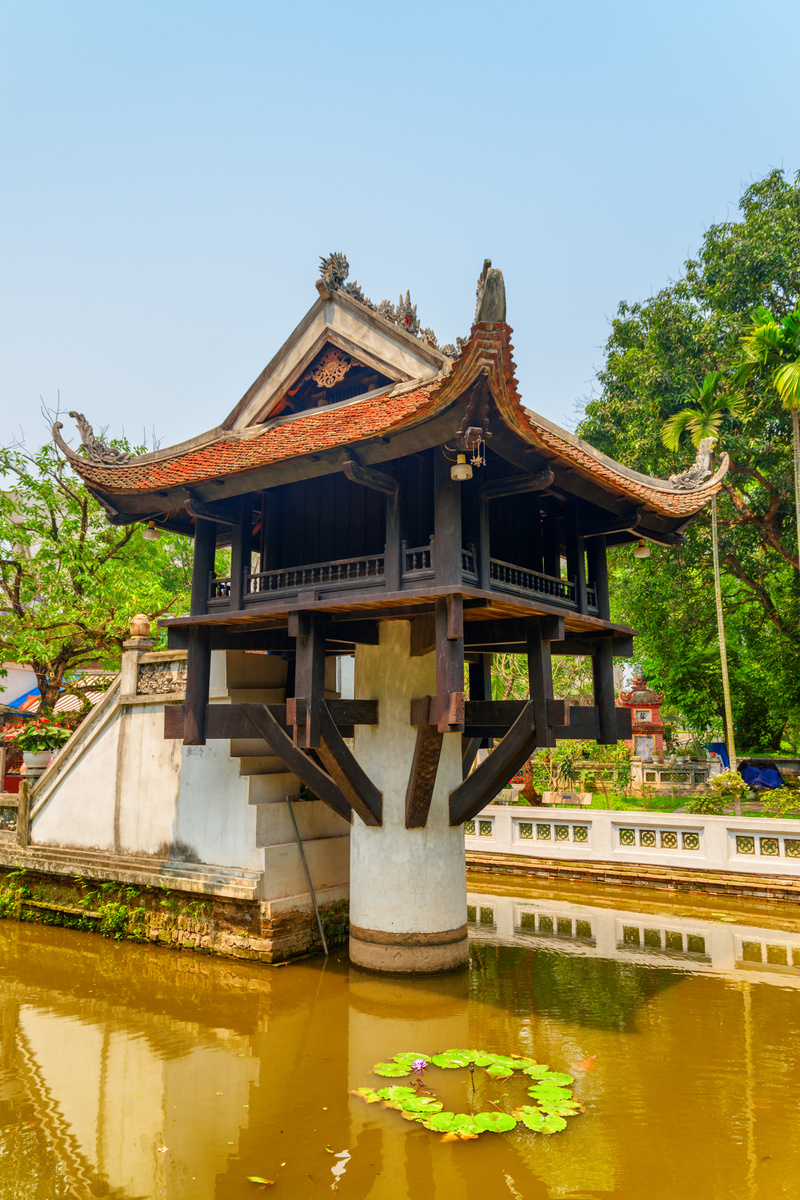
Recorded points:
261,679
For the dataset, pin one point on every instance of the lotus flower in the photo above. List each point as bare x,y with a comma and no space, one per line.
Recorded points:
418,1064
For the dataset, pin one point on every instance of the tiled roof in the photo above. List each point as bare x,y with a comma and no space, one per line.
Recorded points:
489,350
321,429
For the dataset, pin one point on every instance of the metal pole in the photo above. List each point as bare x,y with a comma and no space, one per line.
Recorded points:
308,876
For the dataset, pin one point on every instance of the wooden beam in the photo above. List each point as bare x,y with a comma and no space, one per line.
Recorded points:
241,547
598,574
230,721
198,676
393,549
450,663
604,695
304,709
346,772
515,485
205,545
300,764
379,481
475,792
424,765
446,523
611,525
204,512
540,680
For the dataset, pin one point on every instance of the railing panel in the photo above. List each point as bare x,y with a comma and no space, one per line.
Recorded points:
520,579
341,571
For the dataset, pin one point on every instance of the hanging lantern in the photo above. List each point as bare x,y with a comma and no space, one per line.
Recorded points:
151,534
641,549
461,469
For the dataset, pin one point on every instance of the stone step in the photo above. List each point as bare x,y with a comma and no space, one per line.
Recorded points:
266,764
314,820
328,862
236,883
272,787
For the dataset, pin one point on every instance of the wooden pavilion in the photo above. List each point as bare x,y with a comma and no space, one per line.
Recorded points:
369,476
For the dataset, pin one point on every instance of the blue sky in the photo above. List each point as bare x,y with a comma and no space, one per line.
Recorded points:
172,172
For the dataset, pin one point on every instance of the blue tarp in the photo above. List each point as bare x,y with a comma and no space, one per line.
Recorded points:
760,775
722,750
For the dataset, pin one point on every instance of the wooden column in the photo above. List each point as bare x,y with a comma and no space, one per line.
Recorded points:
576,557
598,573
270,534
304,709
198,675
484,548
241,537
446,522
450,663
540,679
480,688
551,545
604,697
393,548
205,544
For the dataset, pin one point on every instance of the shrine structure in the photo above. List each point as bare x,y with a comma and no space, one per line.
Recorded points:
382,497
647,732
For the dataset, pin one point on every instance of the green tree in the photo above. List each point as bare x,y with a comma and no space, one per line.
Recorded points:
702,418
657,351
69,581
771,348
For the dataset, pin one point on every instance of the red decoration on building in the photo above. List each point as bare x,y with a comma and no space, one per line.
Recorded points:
647,732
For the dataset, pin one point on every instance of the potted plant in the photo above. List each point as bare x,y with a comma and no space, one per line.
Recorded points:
38,740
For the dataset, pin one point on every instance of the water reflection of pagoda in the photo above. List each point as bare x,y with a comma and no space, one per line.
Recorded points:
647,732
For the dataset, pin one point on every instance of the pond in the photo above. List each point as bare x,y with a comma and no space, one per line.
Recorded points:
132,1072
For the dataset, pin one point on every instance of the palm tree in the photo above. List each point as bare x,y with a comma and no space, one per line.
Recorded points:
772,347
702,418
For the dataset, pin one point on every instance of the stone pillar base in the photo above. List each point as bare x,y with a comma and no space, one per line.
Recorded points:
409,953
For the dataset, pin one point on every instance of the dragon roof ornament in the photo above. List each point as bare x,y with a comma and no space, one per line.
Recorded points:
694,477
334,270
95,450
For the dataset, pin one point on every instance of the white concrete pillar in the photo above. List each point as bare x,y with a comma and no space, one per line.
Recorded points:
408,893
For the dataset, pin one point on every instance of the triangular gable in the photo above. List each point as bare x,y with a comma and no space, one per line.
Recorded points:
336,322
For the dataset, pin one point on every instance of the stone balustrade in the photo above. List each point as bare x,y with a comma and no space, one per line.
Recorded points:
757,846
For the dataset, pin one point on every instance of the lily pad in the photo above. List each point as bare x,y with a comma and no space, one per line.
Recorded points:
406,1060
366,1093
494,1122
498,1071
557,1077
451,1059
440,1122
391,1070
422,1104
531,1118
553,1124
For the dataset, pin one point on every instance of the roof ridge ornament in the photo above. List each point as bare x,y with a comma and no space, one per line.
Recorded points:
334,269
491,296
95,450
693,477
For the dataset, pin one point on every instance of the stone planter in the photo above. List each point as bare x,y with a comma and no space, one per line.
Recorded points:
36,762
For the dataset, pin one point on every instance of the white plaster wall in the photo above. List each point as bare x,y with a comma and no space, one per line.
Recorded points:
80,807
147,783
214,818
403,880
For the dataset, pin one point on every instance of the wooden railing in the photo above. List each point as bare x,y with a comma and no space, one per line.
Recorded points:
523,581
418,563
417,559
343,571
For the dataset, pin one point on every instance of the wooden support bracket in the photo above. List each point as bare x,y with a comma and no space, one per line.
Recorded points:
517,484
349,776
475,792
379,481
424,765
300,764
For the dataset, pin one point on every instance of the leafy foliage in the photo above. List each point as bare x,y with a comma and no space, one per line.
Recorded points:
553,1099
662,354
70,581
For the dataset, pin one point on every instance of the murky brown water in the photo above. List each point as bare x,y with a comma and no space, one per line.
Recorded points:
133,1072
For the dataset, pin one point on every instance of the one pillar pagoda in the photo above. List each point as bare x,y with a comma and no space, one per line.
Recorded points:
384,497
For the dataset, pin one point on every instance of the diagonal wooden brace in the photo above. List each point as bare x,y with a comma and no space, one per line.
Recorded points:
306,770
424,765
347,773
483,784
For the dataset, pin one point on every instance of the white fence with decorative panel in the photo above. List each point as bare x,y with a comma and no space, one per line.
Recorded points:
757,846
